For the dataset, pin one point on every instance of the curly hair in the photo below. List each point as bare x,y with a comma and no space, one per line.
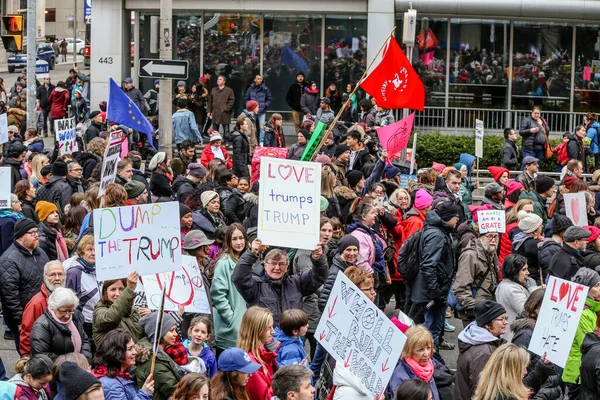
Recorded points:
115,195
111,351
193,201
97,146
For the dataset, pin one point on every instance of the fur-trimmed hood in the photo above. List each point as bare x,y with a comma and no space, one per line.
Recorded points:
251,198
522,323
345,192
143,353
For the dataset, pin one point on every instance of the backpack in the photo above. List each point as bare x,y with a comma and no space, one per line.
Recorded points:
563,156
409,257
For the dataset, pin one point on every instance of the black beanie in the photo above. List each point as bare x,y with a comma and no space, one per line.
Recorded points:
341,149
446,210
75,380
560,223
184,210
486,311
46,169
59,168
22,226
347,241
16,150
543,184
353,177
305,133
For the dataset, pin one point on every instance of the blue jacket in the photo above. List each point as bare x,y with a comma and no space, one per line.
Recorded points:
402,373
185,127
118,388
291,349
37,145
592,133
261,94
206,355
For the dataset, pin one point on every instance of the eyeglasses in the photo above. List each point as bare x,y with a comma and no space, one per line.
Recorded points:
493,238
501,319
65,312
33,233
279,264
368,290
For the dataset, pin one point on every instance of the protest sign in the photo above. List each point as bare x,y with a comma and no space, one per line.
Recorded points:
491,221
289,203
478,138
111,158
5,185
355,332
183,287
3,128
575,208
558,320
66,135
394,138
145,238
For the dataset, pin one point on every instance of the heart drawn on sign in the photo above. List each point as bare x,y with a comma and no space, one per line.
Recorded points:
284,167
563,291
575,211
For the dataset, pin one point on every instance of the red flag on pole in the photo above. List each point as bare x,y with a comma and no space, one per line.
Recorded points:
394,83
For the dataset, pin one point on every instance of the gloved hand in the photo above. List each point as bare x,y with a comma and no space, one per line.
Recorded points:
437,296
470,313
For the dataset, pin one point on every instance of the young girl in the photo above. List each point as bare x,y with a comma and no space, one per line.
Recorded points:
257,331
185,215
235,367
192,386
200,332
274,132
33,376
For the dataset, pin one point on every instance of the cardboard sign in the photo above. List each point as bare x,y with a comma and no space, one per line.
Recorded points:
5,185
478,138
575,208
66,135
491,221
3,128
355,332
111,158
145,238
289,203
184,287
557,323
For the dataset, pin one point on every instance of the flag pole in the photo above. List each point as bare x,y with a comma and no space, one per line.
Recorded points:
347,103
159,322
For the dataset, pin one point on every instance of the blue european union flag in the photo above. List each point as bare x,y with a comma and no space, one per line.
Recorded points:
122,110
293,60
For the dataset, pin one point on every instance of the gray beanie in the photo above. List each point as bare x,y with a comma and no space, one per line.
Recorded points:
149,324
587,277
492,188
529,222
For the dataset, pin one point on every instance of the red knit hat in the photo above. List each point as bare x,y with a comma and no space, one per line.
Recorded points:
569,181
595,233
497,172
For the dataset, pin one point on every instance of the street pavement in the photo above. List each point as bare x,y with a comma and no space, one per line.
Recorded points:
59,73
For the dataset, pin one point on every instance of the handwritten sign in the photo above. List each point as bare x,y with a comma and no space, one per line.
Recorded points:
394,138
111,158
478,138
5,181
184,287
289,200
66,135
355,332
491,221
558,319
3,128
575,208
143,238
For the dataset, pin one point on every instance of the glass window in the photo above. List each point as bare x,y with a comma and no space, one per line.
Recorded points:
587,69
292,43
478,63
542,66
188,44
232,48
50,15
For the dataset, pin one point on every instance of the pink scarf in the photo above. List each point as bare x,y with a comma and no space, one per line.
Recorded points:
75,336
61,246
424,373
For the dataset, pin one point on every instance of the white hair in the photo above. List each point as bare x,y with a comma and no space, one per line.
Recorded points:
51,263
61,297
13,198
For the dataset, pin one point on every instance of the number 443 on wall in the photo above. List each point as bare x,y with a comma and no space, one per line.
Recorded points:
105,60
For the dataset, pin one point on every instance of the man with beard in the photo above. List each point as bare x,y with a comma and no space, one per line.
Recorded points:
477,275
54,276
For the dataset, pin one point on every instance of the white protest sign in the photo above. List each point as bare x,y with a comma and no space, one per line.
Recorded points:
145,238
491,221
558,320
289,203
66,135
575,208
3,128
5,181
184,287
478,138
112,155
355,332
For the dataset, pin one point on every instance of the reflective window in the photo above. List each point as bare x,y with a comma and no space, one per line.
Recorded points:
587,69
188,43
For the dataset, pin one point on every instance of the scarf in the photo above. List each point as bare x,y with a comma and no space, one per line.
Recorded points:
89,267
217,152
101,371
424,373
75,336
61,246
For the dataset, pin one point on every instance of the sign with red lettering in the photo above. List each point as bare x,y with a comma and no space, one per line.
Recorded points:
289,203
558,320
491,221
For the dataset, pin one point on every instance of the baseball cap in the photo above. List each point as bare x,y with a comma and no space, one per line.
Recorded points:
325,100
236,359
128,80
180,83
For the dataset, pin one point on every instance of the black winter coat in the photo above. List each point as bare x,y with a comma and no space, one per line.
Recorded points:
546,251
591,257
7,146
338,265
88,162
53,339
92,132
57,191
590,368
21,274
527,246
183,187
77,184
241,154
533,141
566,263
575,149
510,155
159,185
293,96
363,157
232,204
47,240
43,93
29,210
250,210
141,177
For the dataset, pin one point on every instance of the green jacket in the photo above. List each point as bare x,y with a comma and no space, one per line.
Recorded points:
229,305
466,197
539,205
166,376
119,314
587,324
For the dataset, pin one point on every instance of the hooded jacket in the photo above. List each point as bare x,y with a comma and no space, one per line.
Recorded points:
590,367
232,204
295,152
575,149
208,155
527,246
291,350
59,99
88,162
565,263
587,324
183,187
345,197
81,278
27,392
547,249
473,266
372,246
347,387
592,133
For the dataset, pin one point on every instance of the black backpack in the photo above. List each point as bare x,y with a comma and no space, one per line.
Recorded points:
409,257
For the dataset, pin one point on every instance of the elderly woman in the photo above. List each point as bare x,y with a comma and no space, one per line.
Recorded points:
209,217
115,309
60,329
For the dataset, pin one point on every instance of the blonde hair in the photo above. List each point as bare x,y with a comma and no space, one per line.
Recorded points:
36,165
502,376
85,241
76,358
512,215
327,182
394,197
254,323
416,337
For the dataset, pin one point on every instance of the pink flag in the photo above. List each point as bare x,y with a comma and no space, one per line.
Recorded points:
394,138
587,74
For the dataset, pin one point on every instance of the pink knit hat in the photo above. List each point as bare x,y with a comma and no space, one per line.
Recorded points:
422,199
473,210
437,167
512,186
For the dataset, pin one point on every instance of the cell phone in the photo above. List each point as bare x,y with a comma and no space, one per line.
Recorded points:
380,202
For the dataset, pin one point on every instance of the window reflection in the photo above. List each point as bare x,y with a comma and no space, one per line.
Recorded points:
587,69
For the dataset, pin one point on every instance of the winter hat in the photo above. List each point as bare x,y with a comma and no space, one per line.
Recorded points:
353,177
446,210
148,322
180,83
324,203
22,226
251,105
59,168
390,171
44,209
574,233
473,210
560,223
158,158
134,189
486,311
347,241
543,184
323,159
46,169
325,100
587,277
13,129
528,222
438,167
94,114
492,188
458,166
341,149
17,149
181,103
197,170
569,181
207,196
75,380
595,233
184,210
194,239
512,186
422,199
497,172
305,133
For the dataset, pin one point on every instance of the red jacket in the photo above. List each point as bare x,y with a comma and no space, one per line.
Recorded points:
506,244
207,156
414,222
398,237
260,383
33,310
59,99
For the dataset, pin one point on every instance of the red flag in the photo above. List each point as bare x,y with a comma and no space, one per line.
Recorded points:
394,83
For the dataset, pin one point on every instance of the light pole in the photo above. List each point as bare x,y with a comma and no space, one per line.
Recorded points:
31,53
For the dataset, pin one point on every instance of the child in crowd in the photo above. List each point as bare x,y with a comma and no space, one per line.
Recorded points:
561,152
292,326
201,330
